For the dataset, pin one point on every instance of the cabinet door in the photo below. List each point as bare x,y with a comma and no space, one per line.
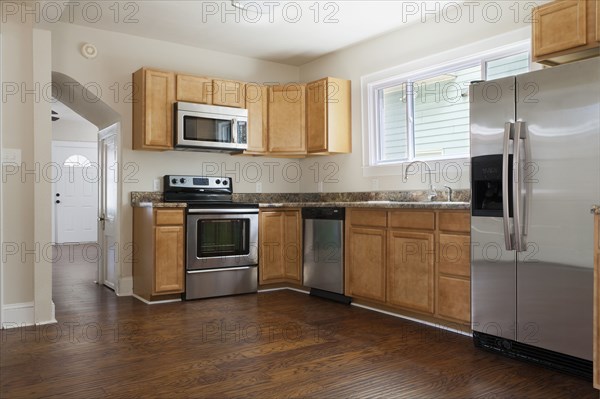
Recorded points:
410,270
256,103
168,253
366,264
454,298
229,93
454,255
316,116
271,237
194,89
292,250
558,26
287,133
154,95
598,21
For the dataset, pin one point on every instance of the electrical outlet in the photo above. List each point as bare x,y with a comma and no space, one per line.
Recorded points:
374,184
157,185
320,186
258,187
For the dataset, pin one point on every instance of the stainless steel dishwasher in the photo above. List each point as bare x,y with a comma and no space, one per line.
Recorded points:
323,260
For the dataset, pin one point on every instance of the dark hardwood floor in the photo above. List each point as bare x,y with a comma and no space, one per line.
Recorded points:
270,345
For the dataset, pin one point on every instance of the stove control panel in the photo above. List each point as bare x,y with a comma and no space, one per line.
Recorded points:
200,183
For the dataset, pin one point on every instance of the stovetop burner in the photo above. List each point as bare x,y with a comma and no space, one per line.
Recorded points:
202,191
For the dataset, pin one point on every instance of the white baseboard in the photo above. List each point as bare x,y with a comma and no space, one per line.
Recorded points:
283,288
125,286
147,302
18,315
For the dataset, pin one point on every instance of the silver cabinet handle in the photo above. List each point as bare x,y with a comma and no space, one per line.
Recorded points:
209,211
508,134
225,269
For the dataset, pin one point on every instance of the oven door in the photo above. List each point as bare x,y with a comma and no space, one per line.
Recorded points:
220,238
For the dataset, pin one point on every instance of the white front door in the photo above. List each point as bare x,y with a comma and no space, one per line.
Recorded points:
75,192
108,237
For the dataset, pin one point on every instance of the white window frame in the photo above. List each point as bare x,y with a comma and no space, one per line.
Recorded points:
456,59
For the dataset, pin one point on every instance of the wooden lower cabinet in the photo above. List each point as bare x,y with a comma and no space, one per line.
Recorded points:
410,276
414,260
280,242
365,263
158,239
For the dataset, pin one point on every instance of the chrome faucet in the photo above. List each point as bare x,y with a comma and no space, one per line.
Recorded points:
432,194
450,191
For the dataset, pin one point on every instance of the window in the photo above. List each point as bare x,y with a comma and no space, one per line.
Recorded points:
426,116
77,161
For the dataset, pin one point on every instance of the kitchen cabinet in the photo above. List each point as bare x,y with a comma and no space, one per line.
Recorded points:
365,253
229,93
597,301
286,120
454,266
565,31
328,122
280,246
153,99
410,270
257,103
194,89
413,260
158,240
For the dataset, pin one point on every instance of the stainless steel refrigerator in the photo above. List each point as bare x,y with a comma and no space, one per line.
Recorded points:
535,172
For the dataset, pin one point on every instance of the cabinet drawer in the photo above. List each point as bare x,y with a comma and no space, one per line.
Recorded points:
455,221
360,217
412,220
168,217
454,298
454,255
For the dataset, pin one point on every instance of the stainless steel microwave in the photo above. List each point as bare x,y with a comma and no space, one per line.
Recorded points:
211,128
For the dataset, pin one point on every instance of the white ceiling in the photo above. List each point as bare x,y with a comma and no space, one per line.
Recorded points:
294,33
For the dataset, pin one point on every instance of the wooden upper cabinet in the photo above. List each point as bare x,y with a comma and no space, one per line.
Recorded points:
598,21
194,89
565,31
257,103
229,93
328,116
286,127
153,98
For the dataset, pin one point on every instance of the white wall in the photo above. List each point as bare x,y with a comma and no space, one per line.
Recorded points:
423,44
109,76
72,127
18,190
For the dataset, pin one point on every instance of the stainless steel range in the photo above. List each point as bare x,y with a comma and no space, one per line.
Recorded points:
221,236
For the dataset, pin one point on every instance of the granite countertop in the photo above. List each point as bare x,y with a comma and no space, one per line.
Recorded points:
387,200
596,209
371,204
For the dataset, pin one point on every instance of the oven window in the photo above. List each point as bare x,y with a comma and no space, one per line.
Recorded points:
223,237
205,129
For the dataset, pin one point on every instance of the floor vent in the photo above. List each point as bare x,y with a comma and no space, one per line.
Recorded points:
544,357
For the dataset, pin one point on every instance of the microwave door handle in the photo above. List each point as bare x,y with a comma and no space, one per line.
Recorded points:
233,130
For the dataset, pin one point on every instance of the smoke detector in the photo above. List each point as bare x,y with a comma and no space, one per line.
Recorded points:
89,51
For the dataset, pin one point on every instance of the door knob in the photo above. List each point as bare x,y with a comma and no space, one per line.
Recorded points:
58,194
58,201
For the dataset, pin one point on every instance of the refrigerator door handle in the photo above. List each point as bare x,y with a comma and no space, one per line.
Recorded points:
517,180
520,134
508,135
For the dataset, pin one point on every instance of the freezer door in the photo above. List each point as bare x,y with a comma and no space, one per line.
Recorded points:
493,268
561,110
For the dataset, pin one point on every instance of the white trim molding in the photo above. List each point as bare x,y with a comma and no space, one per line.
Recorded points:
125,286
147,302
18,315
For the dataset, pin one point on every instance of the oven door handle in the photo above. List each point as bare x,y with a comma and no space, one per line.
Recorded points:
222,211
225,269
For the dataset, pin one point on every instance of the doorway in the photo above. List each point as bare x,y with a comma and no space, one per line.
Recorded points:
75,192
